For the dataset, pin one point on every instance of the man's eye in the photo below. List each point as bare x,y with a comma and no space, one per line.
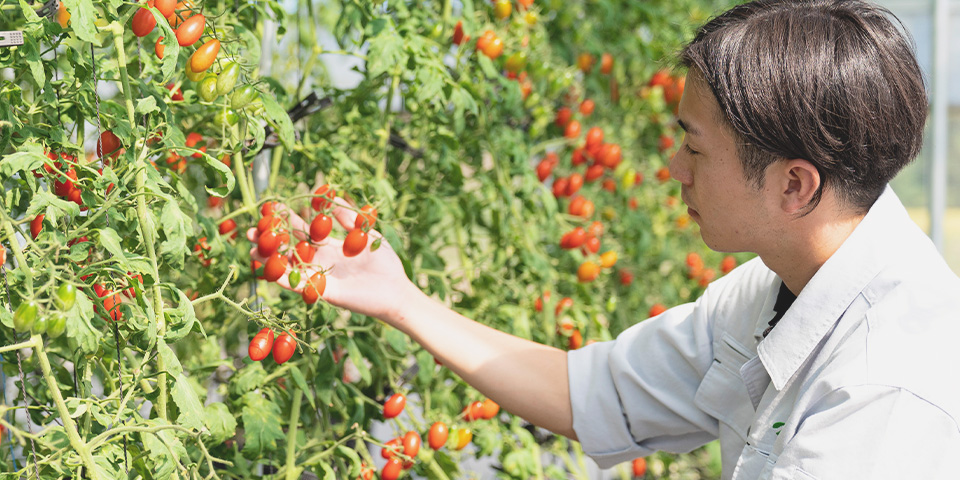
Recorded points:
690,150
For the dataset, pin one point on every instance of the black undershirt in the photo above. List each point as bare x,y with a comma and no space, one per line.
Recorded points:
785,298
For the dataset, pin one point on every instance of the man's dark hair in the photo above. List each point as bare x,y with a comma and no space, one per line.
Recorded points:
833,82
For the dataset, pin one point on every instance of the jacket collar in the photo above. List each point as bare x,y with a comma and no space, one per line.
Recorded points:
832,289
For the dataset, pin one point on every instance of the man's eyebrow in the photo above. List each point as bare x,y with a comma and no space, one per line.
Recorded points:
687,128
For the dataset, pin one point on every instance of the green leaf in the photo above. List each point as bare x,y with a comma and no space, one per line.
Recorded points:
261,424
170,361
219,422
191,410
175,224
171,48
183,317
165,449
79,327
29,158
278,116
147,105
354,353
386,52
82,16
397,340
301,382
247,378
111,242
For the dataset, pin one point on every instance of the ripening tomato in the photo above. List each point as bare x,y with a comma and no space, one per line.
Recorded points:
190,30
572,130
3,255
564,114
490,409
458,37
203,58
314,288
227,226
243,96
576,205
438,435
36,225
261,345
485,40
463,437
366,473
516,62
656,309
304,252
411,444
594,172
391,471
394,405
159,47
585,62
143,22
665,143
63,16
227,79
586,107
610,155
588,272
284,347
367,218
639,467
575,341
166,7
269,223
578,157
608,259
493,49
355,242
108,144
182,11
606,63
275,267
502,9
706,276
63,188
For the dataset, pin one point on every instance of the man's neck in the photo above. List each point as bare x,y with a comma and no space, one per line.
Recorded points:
807,243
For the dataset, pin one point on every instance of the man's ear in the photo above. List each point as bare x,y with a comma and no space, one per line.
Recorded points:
798,181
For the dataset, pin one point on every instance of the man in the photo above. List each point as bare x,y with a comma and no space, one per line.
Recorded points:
832,354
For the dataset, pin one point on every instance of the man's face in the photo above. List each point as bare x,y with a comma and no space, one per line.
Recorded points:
733,214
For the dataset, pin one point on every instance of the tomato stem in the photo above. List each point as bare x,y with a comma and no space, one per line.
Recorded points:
292,471
14,246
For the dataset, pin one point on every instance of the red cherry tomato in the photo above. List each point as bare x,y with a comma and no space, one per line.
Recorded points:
268,223
394,405
314,288
143,22
158,49
227,226
489,409
36,225
320,227
261,345
108,144
190,30
111,303
391,471
458,33
411,444
656,309
284,348
323,197
586,107
594,137
268,243
275,267
572,130
366,218
438,435
304,252
355,242
639,467
166,7
203,58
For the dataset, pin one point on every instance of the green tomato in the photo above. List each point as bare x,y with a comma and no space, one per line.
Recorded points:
516,62
228,78
66,296
437,31
57,325
208,88
194,76
226,117
40,326
294,279
25,316
243,96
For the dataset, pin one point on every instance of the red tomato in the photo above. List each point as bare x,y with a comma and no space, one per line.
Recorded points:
594,172
472,412
606,63
594,137
391,471
564,114
158,48
663,174
181,9
576,205
728,264
586,107
538,303
227,226
575,341
592,245
203,58
489,409
574,182
320,227
275,267
190,30
314,288
438,435
108,144
261,345
111,302
493,49
391,448
560,187
458,33
609,185
585,62
411,444
639,467
367,218
656,309
572,130
544,169
485,40
565,303
132,292
610,155
574,238
63,188
3,255
36,225
305,252
626,278
175,96
595,229
284,348
143,22
323,197
166,7
269,223
394,405
355,242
